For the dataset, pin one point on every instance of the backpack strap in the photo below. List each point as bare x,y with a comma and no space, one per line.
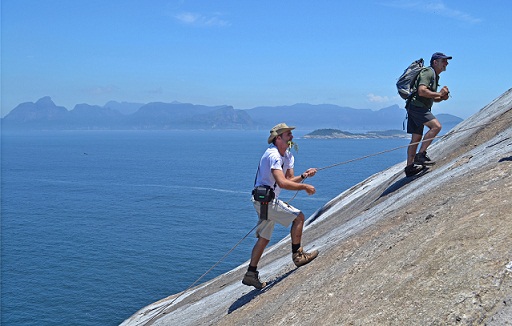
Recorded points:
256,176
415,90
433,77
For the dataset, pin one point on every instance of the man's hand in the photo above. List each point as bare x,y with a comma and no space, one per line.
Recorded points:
444,94
444,91
309,172
310,189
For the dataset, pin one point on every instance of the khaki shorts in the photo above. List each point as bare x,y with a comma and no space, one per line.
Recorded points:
278,212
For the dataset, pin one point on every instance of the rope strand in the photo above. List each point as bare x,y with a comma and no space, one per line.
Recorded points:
162,310
403,146
397,148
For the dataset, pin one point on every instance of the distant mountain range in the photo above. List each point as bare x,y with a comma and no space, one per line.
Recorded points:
45,115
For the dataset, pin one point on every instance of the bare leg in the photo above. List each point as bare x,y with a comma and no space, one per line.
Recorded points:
435,128
257,250
411,150
296,229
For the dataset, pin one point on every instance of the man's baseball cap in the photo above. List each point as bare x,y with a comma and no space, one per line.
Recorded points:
278,130
439,55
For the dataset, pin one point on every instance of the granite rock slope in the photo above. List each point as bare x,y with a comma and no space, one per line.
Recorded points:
434,250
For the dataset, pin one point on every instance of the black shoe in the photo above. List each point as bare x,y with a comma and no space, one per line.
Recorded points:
413,169
423,159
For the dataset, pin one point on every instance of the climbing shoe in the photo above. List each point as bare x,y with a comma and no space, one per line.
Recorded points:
252,279
413,169
301,258
423,159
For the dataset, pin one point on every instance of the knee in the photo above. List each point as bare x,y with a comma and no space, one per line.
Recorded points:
435,126
299,218
416,138
262,242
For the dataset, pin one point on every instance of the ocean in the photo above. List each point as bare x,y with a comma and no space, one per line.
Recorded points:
98,224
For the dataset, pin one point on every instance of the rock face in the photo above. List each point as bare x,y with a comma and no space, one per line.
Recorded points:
435,250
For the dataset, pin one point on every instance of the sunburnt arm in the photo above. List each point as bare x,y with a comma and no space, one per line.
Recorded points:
424,91
288,184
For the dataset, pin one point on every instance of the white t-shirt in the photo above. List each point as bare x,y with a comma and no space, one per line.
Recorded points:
272,160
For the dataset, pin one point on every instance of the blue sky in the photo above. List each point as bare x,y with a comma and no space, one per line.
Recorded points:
250,53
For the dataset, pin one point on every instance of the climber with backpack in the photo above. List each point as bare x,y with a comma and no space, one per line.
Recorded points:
418,86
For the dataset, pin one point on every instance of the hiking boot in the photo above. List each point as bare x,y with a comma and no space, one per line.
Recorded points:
252,279
301,258
423,159
413,169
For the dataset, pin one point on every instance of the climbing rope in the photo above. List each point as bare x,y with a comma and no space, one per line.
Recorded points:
397,148
162,310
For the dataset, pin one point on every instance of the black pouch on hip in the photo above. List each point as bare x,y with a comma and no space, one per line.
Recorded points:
263,195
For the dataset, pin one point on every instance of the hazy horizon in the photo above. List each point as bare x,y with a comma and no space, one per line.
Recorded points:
249,54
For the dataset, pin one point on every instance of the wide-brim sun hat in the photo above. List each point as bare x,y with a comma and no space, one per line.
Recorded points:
278,130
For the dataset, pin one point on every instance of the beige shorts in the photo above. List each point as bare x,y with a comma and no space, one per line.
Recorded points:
278,212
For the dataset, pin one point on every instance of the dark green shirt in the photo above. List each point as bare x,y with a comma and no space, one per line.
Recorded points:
426,77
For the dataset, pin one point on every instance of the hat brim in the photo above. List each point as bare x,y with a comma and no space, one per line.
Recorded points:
443,57
279,132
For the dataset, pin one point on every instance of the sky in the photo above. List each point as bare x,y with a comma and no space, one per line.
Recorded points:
250,53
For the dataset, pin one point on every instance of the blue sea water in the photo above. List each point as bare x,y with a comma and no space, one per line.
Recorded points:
97,224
